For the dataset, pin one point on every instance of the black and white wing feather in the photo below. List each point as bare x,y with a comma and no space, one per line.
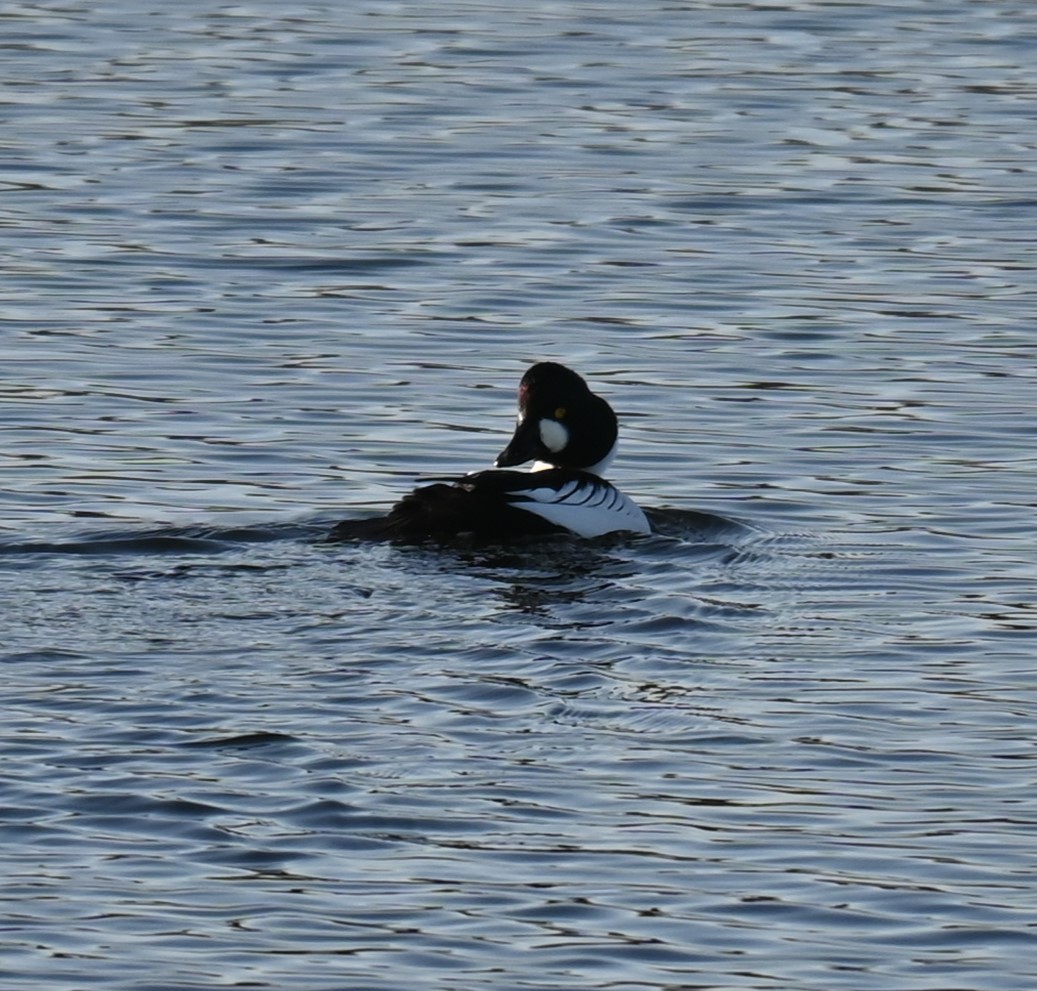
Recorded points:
579,502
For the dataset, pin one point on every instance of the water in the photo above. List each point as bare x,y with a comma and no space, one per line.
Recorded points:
263,267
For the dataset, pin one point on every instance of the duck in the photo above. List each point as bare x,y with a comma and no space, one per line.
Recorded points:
569,436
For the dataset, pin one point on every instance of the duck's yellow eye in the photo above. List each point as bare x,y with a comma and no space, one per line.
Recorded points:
560,413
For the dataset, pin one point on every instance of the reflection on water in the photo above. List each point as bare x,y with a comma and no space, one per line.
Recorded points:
266,267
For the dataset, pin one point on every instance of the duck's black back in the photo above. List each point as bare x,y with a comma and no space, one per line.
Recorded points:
476,505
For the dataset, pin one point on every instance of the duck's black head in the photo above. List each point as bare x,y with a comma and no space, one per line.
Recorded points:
561,423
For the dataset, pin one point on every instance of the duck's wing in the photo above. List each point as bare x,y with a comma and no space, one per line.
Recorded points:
500,505
578,502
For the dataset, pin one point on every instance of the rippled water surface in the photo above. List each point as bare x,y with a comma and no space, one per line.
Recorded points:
264,266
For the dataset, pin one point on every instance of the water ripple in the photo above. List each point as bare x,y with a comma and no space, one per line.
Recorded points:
266,267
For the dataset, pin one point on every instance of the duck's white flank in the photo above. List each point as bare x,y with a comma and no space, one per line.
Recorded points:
586,510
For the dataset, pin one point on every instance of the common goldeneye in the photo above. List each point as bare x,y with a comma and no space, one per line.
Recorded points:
570,435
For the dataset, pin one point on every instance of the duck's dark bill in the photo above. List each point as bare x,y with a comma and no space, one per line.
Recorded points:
525,445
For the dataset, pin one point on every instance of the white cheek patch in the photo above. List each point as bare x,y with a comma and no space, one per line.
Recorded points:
553,435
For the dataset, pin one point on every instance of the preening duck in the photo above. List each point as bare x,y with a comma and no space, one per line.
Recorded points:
570,436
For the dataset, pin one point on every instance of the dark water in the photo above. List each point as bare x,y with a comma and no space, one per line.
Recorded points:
264,266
